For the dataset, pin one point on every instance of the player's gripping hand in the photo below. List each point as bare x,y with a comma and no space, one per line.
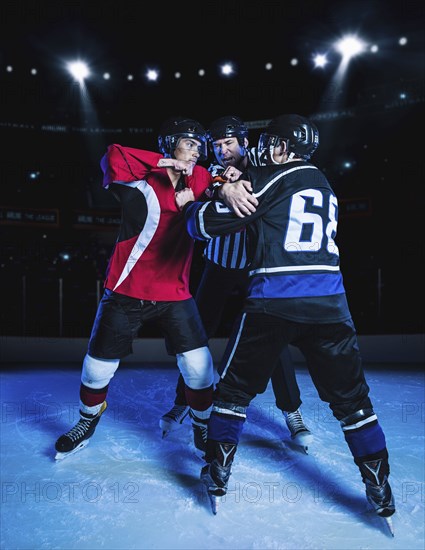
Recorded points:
183,166
231,174
184,196
238,197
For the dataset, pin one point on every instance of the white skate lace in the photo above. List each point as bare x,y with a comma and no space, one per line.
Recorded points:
200,432
295,422
380,494
79,430
202,429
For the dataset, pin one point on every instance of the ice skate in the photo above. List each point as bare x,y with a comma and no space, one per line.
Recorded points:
382,501
200,432
215,475
78,437
378,490
173,419
300,434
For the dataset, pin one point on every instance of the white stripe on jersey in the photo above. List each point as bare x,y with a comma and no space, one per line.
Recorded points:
360,423
149,229
279,176
235,345
282,269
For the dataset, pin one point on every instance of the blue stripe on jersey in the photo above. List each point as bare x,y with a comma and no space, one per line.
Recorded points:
296,286
366,441
225,428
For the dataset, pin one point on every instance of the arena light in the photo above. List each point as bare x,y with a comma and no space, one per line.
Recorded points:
33,175
79,70
152,75
227,69
320,60
350,46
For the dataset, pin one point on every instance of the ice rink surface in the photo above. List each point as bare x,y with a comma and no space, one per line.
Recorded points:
131,489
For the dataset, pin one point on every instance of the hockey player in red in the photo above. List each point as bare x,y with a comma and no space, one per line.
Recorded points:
148,275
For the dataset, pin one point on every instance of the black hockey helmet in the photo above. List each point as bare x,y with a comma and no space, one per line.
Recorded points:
228,126
177,127
301,136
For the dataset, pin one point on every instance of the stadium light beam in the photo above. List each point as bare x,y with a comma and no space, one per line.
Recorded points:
334,97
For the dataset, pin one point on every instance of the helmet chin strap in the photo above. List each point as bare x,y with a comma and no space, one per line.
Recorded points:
271,149
290,156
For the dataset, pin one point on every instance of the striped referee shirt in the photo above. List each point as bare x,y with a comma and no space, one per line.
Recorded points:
229,251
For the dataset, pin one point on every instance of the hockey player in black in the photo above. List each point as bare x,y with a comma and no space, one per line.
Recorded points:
226,271
295,296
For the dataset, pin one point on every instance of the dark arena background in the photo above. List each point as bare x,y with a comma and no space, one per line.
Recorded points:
59,225
147,62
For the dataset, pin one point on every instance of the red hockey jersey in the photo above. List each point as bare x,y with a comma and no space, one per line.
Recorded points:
152,256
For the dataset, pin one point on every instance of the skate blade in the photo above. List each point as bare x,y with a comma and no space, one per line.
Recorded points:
388,520
168,427
294,446
390,525
61,456
214,502
303,440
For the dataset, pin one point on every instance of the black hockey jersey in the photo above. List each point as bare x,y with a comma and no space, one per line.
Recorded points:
294,270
